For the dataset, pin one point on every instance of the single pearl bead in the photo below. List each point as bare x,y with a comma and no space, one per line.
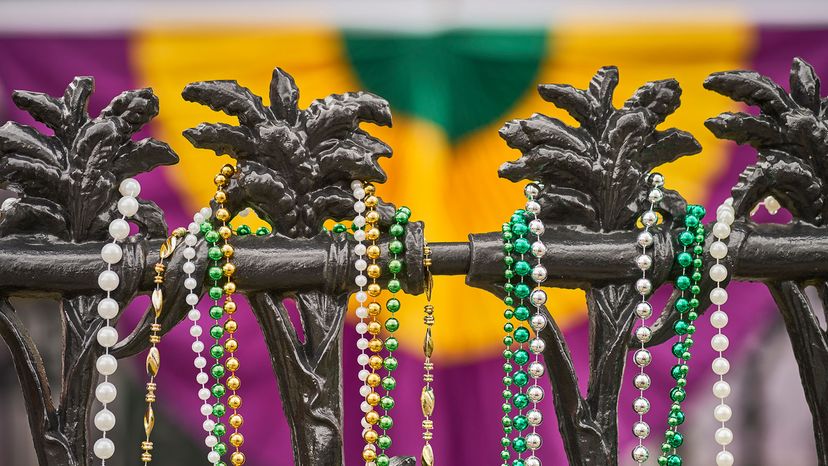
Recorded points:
724,436
206,212
645,239
359,221
198,218
193,228
208,425
359,193
364,391
718,250
641,405
190,283
535,393
644,286
641,430
359,235
365,407
194,315
721,230
188,267
718,319
362,343
203,394
643,310
361,280
356,184
106,364
360,264
361,312
359,207
201,378
106,392
362,328
724,458
772,205
104,448
108,308
364,423
200,362
534,417
718,296
118,229
722,413
644,262
213,457
363,375
189,253
104,420
360,249
719,342
195,330
210,440
192,299
107,336
362,359
108,280
721,366
190,239
130,187
111,253
725,216
197,346
127,206
718,273
721,389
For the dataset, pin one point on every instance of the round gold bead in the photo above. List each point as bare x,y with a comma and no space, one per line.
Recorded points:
228,269
373,271
369,455
374,309
225,232
371,201
231,345
236,439
372,217
236,421
233,383
373,398
374,290
220,197
370,436
232,364
372,234
375,362
373,251
231,326
372,417
229,288
234,401
374,328
229,307
227,250
369,189
237,458
228,170
220,180
223,215
375,345
373,380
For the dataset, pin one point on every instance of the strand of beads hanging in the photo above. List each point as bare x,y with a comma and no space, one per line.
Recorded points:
537,322
642,357
108,309
508,340
361,281
718,319
691,241
427,396
153,360
372,378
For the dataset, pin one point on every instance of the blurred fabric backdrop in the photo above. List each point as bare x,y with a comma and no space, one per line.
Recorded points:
453,73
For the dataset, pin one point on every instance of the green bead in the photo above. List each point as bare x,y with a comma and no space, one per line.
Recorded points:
392,324
216,331
395,266
243,230
505,442
518,462
662,461
215,273
680,327
509,301
684,259
506,421
507,368
390,363
218,390
674,460
523,268
521,357
697,263
205,227
507,381
697,250
393,304
679,417
339,228
683,282
678,394
507,235
220,463
698,211
263,231
685,238
699,239
215,292
386,422
214,253
692,315
384,442
394,285
686,355
508,313
691,329
508,327
506,394
508,354
521,378
387,402
520,401
508,274
391,343
522,334
504,455
216,351
383,460
389,383
220,448
519,444
517,219
696,276
211,237
508,260
521,422
695,289
507,340
216,312
219,410
396,247
396,230
404,209
691,221
688,342
677,440
681,383
508,247
217,370
665,447
522,246
678,349
522,313
520,229
522,290
682,305
506,408
678,371
401,217
694,303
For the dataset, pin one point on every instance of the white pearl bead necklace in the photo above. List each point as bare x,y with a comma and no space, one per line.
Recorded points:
538,322
725,215
642,357
108,308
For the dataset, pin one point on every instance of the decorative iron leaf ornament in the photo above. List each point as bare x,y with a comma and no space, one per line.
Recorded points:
596,173
296,164
791,137
68,182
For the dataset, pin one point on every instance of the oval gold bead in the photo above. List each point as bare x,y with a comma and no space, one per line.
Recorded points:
427,456
157,301
428,343
149,420
427,401
153,361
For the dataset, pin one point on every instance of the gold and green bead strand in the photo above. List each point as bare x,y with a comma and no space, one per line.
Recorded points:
508,341
427,398
153,361
690,260
521,333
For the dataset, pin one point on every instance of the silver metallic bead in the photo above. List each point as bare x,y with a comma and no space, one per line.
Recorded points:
531,191
643,334
533,441
644,262
640,454
532,461
534,417
644,286
538,249
538,297
536,226
537,345
536,370
655,195
642,381
645,239
643,358
533,207
641,405
535,393
649,218
656,180
641,430
539,274
538,322
643,310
